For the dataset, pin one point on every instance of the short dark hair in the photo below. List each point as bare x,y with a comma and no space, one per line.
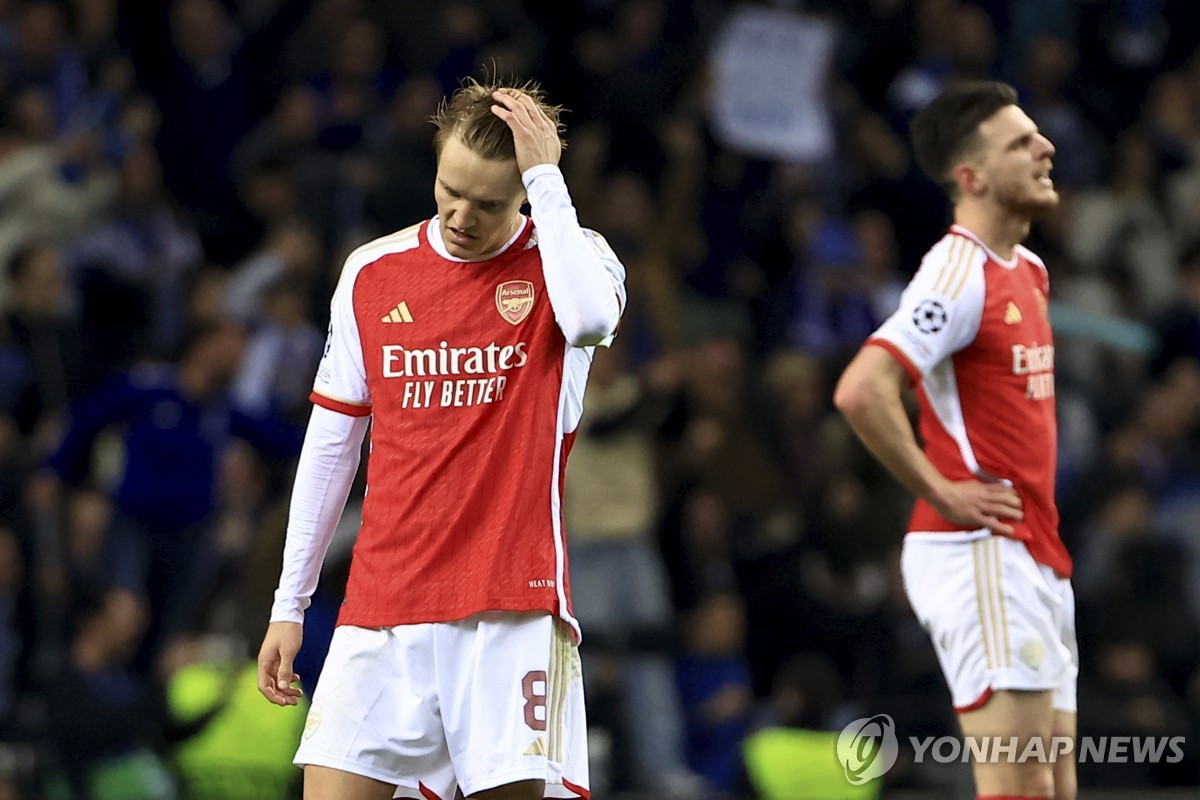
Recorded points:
948,128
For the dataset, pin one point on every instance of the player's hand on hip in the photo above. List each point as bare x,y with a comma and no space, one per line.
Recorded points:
535,135
980,504
275,659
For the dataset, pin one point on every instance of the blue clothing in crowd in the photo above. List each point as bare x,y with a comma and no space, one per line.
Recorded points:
172,444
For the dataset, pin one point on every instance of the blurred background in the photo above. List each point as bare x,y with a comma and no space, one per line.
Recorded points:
181,180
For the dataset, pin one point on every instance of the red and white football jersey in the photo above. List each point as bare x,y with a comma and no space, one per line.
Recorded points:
475,395
974,332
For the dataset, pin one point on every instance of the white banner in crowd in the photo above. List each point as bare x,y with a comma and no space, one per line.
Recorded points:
769,68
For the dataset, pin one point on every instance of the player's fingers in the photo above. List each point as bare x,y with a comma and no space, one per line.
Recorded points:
1011,496
267,665
288,690
1004,508
510,103
266,686
503,113
994,524
1002,496
521,128
283,674
522,107
1013,504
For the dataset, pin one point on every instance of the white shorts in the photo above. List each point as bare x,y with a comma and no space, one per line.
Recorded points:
998,619
439,707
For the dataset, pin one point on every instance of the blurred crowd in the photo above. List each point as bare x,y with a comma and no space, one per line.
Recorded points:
180,181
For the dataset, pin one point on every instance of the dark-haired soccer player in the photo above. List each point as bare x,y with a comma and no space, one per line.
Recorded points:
983,564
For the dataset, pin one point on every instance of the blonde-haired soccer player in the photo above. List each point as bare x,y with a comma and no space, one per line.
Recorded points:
464,342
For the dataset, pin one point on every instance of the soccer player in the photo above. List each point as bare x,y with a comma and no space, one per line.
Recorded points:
465,342
983,565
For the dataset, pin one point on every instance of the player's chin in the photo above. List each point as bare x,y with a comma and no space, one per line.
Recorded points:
1042,203
458,251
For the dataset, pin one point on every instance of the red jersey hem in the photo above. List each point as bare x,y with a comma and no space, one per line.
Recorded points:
349,409
387,620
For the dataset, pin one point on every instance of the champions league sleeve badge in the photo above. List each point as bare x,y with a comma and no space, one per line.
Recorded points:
930,316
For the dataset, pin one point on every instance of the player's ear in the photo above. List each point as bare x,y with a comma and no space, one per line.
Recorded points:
970,180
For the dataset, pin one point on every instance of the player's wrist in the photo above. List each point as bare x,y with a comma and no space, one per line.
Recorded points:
938,492
532,173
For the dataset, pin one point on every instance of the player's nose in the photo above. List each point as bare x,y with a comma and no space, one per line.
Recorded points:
464,215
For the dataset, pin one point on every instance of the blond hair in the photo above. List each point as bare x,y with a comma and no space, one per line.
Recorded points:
468,115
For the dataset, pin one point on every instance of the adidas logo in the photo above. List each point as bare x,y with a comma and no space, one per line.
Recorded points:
538,748
398,314
1012,314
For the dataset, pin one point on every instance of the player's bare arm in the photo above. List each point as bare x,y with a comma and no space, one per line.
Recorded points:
869,396
535,135
275,660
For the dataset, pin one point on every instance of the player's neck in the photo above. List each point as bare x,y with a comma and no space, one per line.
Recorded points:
1000,233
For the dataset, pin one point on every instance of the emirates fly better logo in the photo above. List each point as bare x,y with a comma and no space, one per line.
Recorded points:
867,748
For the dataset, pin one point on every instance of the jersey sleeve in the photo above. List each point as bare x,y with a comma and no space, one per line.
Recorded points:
328,463
584,278
616,275
341,382
940,309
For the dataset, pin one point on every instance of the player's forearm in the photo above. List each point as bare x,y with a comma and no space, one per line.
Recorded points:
324,475
581,289
872,405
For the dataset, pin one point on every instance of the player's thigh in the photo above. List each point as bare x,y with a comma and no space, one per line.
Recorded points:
374,713
325,783
1004,729
511,693
1066,782
523,790
1007,714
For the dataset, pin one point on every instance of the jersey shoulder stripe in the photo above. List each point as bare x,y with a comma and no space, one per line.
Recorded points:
376,249
396,242
949,263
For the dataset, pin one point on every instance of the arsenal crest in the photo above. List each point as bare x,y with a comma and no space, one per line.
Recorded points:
514,300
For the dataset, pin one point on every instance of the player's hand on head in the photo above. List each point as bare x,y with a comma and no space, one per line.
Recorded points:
980,504
275,659
535,135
